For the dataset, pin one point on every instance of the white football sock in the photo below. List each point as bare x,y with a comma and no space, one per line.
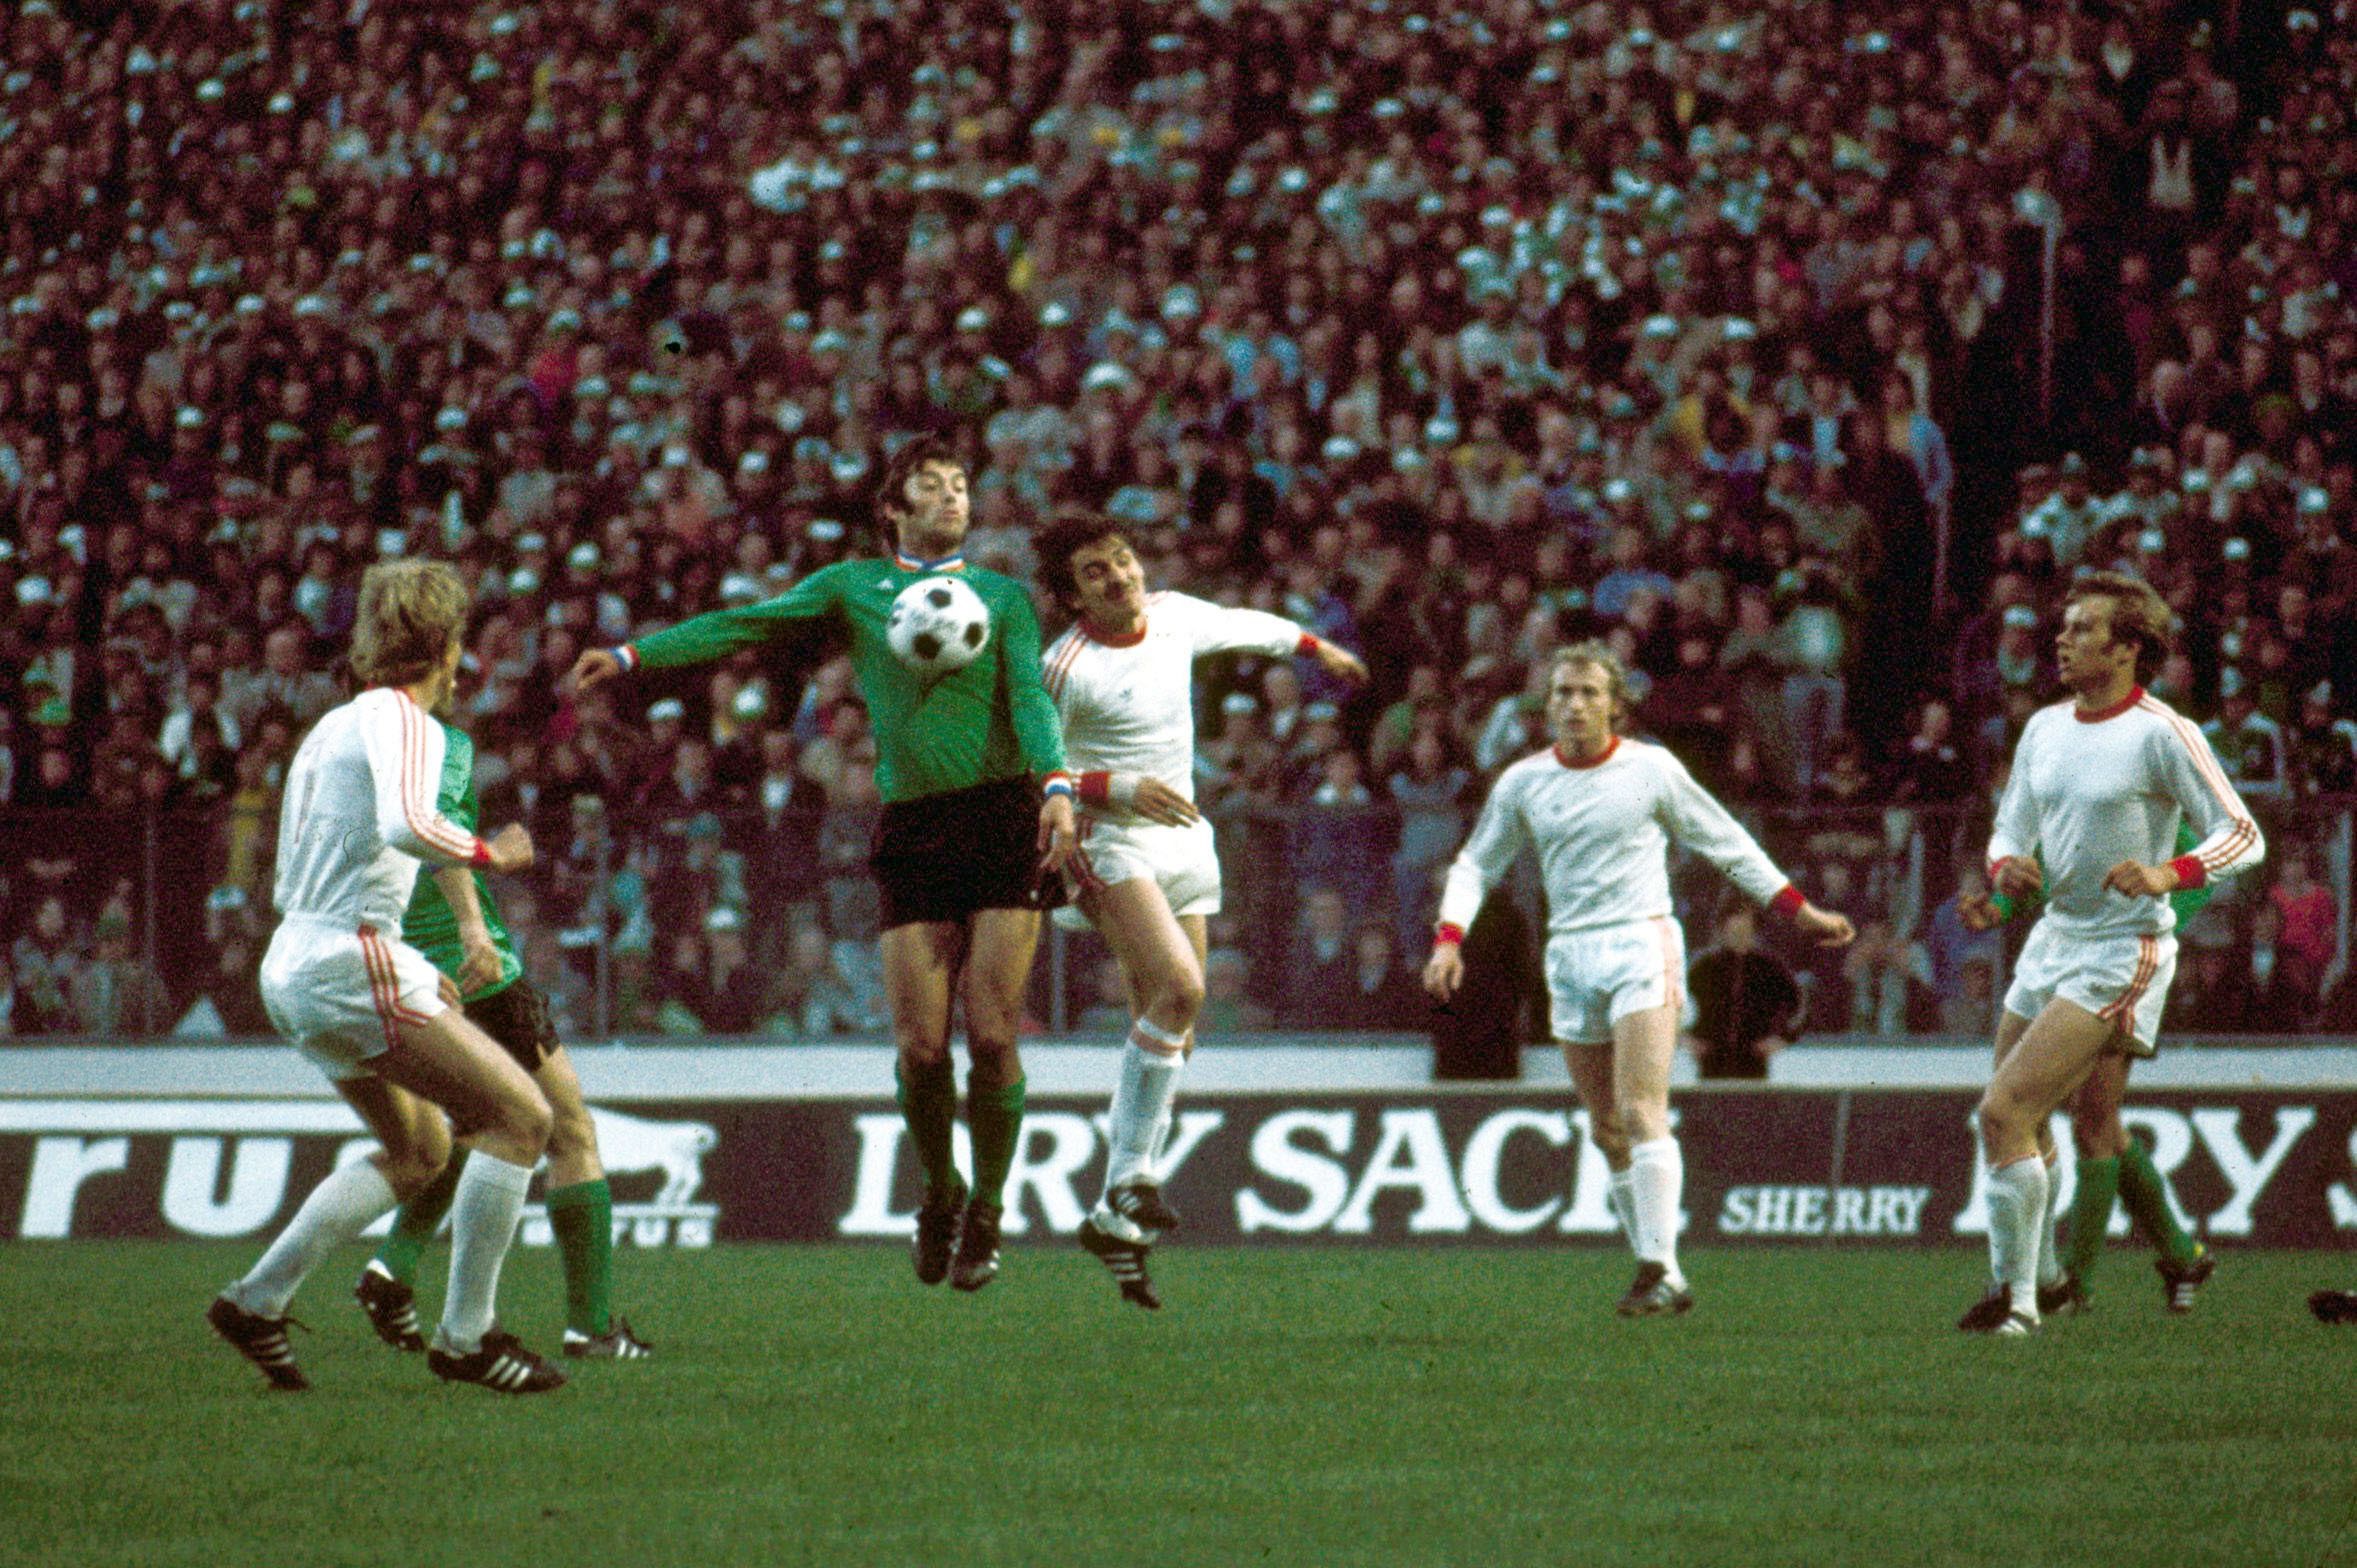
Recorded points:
1624,1205
1657,1179
2017,1205
2049,1250
482,1223
1142,1096
337,1211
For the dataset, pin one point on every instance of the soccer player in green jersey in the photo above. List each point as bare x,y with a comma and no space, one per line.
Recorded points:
2112,1165
978,826
454,920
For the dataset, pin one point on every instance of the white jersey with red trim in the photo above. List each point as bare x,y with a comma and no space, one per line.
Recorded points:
1128,706
2090,790
359,815
1602,831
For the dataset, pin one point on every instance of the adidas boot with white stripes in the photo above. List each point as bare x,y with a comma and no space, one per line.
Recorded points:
260,1340
1124,1260
500,1363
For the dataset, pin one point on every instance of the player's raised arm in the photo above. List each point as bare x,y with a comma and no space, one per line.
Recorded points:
1693,817
1499,835
713,635
1219,628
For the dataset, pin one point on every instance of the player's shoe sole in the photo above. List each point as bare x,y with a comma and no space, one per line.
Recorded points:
260,1340
1140,1203
1994,1314
937,1236
391,1308
500,1363
615,1344
1651,1295
2334,1306
2181,1282
2064,1298
1125,1261
976,1263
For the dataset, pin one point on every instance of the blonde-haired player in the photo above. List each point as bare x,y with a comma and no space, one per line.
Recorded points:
357,821
2099,787
1123,683
1601,810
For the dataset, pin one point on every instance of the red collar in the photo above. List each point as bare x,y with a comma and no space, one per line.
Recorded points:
2098,715
1112,639
1596,761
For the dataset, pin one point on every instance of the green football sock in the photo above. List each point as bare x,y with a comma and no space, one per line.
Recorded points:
929,1104
582,1216
997,1119
2099,1185
2146,1193
414,1225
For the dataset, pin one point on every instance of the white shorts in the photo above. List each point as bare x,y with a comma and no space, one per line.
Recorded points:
2121,979
1184,861
1601,975
338,994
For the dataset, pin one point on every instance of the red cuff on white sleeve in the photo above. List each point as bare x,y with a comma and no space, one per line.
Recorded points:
1449,935
482,855
1096,788
2190,871
1787,903
1307,648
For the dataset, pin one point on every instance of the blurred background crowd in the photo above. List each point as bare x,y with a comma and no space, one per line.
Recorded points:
1803,352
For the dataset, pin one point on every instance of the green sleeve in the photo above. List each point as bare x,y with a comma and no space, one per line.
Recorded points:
2188,901
1039,735
722,632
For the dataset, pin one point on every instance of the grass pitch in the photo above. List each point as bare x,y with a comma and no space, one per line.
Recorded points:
813,1405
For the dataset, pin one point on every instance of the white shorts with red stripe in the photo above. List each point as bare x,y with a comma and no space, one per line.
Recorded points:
339,994
1183,861
2121,979
1600,975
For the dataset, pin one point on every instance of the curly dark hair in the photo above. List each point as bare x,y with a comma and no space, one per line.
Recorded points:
1056,544
904,465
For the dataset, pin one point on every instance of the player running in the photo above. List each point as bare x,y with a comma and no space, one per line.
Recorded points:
2099,787
1147,873
454,920
1601,811
968,851
358,818
2112,1166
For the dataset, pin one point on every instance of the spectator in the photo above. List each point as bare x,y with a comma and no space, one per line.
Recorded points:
45,960
114,994
1385,994
1746,1006
1322,976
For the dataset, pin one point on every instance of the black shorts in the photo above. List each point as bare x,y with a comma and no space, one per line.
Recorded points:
518,1019
942,857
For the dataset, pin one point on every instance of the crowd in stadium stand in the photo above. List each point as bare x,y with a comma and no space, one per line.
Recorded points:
1453,329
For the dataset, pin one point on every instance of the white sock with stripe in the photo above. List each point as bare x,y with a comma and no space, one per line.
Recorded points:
2049,1249
2017,1206
1624,1204
483,1219
337,1211
1142,1097
1657,1179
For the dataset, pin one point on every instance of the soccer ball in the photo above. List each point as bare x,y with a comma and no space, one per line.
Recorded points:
938,625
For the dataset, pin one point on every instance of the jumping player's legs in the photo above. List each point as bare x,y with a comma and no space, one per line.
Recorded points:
921,962
1163,969
1000,945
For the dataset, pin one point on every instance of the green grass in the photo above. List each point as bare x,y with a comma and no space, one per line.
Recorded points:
1310,1406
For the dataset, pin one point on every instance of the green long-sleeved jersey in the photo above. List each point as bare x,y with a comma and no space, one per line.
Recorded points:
991,720
431,925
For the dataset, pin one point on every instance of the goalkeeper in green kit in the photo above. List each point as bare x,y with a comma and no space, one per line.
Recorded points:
454,920
2113,1165
977,827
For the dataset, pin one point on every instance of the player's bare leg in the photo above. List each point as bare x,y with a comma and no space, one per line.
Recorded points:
1591,1079
581,1213
921,962
2039,1068
1643,1046
997,975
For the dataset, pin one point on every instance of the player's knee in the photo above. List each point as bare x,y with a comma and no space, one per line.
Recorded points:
2000,1120
407,1170
1641,1121
526,1121
1180,999
570,1133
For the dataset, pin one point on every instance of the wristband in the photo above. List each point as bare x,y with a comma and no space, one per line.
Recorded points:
1096,788
1308,647
1449,934
2190,872
1789,902
1058,783
482,855
626,656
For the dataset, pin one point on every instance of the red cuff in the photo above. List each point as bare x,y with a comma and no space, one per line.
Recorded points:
482,855
2190,871
1096,788
1787,903
1449,935
1307,648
